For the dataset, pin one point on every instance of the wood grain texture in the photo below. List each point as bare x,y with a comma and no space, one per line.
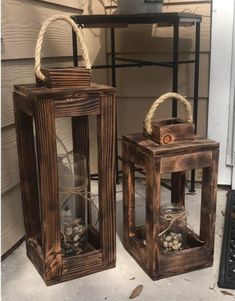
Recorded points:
128,195
106,170
208,199
46,255
48,188
28,173
185,162
12,225
153,192
165,131
173,158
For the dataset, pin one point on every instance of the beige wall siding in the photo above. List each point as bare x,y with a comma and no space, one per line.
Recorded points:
139,87
21,22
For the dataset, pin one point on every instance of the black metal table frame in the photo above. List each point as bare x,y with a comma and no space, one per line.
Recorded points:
121,21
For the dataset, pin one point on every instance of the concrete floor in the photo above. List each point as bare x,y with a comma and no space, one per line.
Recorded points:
20,280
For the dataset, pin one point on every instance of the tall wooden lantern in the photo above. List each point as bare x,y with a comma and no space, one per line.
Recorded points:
165,244
63,238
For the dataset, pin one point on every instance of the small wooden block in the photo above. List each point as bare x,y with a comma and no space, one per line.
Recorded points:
61,77
166,131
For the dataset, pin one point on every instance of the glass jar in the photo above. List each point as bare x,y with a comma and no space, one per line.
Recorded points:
73,195
173,228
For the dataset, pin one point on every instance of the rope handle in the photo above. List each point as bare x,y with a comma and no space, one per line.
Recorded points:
160,100
41,34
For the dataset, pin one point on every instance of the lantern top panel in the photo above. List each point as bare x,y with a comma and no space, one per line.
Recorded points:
154,149
31,90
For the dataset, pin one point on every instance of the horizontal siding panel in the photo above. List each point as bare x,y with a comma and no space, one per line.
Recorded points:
150,81
150,38
67,3
12,219
10,169
21,22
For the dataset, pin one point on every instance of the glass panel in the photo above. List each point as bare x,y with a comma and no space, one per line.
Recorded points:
75,201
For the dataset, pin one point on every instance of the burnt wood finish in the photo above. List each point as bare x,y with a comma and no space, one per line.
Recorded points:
28,174
62,77
156,160
107,180
166,131
39,179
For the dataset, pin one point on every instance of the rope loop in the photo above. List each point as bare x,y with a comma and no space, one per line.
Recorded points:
40,39
160,100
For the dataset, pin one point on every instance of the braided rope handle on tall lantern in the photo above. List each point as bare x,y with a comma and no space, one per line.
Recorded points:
160,100
40,39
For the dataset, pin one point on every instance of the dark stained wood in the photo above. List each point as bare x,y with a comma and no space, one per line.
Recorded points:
153,192
208,202
48,188
61,77
28,172
181,262
175,158
186,162
42,215
83,105
185,147
166,131
128,195
106,173
61,93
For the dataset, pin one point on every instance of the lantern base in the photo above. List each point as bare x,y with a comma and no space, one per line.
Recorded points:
194,256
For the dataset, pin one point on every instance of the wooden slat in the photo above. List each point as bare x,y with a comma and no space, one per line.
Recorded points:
48,189
106,170
153,191
128,195
28,173
186,260
185,162
12,219
208,202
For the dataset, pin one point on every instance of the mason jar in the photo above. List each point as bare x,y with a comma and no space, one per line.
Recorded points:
173,228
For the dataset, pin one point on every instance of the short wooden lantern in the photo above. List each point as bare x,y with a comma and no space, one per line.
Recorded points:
166,245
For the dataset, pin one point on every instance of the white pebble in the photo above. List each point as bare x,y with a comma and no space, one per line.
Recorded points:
76,237
168,238
69,231
165,244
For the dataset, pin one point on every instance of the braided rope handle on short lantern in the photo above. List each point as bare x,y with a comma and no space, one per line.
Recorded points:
160,100
42,32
